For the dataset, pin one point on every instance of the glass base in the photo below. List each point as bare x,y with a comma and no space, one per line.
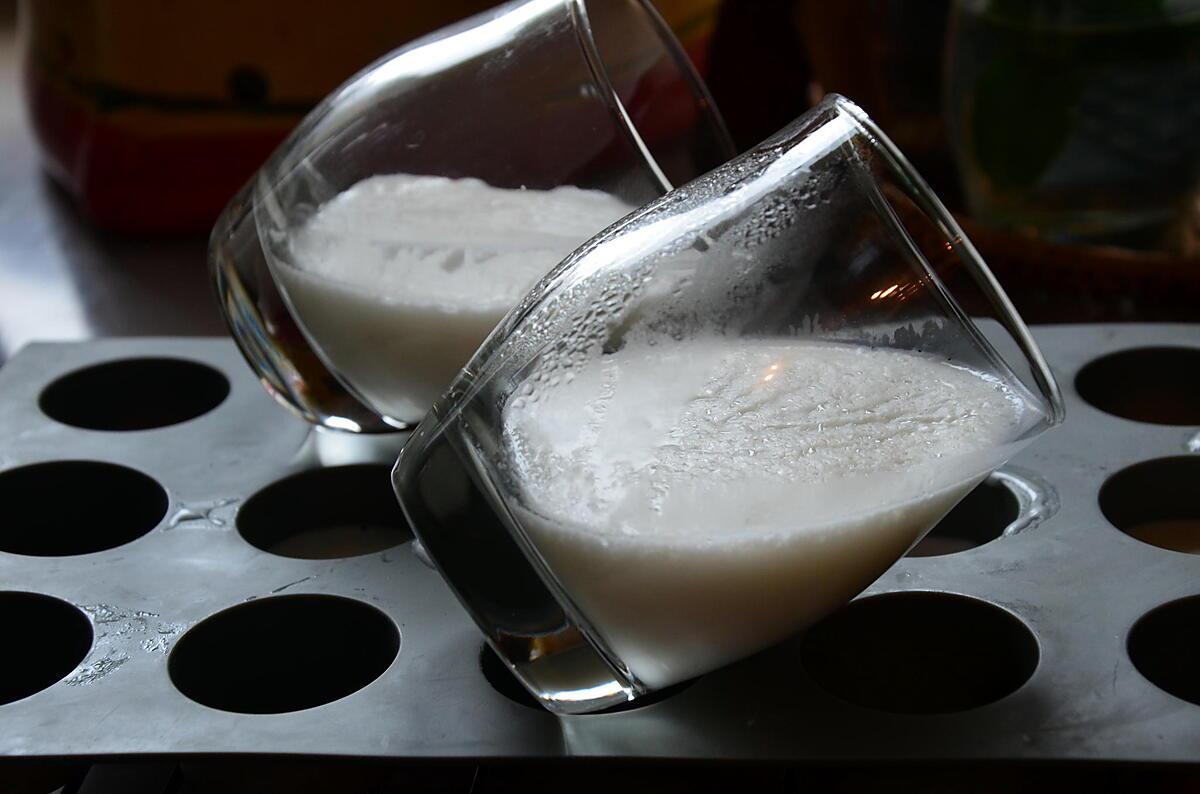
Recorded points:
576,680
523,619
267,336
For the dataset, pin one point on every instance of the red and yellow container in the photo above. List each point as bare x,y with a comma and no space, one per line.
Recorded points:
153,113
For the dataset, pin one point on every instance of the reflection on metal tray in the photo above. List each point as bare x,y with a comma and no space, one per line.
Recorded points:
149,485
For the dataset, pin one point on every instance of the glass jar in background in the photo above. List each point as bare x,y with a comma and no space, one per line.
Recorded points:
1078,121
152,115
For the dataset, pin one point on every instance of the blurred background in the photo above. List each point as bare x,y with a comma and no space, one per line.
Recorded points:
1063,133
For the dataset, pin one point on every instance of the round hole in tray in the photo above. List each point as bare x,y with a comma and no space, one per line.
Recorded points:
44,640
920,653
283,654
1162,646
1148,384
980,517
340,511
76,507
134,394
1155,502
503,681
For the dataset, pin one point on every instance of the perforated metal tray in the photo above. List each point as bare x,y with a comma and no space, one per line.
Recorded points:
1017,649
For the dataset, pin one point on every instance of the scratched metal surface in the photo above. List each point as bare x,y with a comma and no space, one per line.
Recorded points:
1075,581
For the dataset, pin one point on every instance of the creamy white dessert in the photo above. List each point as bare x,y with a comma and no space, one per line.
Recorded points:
705,499
400,278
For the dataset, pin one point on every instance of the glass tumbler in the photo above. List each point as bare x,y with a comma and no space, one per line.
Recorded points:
370,256
722,418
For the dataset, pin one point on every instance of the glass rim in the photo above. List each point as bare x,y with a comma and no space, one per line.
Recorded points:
987,282
1048,392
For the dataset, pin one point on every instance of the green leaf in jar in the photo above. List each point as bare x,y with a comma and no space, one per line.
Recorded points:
1020,117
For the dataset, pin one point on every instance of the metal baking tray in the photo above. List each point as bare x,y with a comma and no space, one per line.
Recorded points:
1020,648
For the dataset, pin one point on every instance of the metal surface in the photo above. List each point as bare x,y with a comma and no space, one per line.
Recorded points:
1074,580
